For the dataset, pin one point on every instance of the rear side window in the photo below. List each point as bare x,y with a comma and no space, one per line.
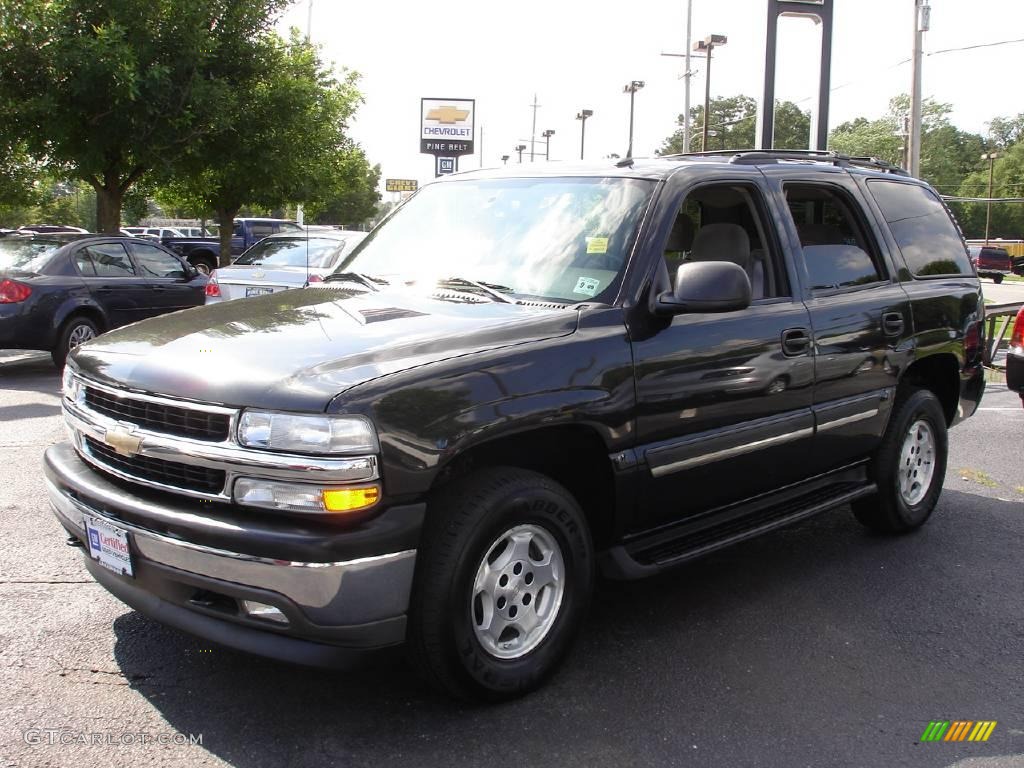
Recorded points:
929,241
837,250
110,260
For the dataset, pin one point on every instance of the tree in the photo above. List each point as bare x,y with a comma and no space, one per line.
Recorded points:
106,92
1007,181
733,125
1006,131
353,197
287,141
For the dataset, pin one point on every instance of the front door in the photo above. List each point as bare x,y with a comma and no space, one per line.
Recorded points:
112,280
724,400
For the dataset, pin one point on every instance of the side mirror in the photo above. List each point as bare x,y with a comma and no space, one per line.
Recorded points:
706,286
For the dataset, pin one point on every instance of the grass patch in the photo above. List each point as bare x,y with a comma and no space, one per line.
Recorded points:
977,476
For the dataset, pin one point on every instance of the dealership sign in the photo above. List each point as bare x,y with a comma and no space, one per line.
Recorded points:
401,185
446,126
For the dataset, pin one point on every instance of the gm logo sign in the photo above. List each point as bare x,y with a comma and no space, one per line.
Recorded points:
958,730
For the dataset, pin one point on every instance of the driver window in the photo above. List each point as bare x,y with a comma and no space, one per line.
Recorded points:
725,222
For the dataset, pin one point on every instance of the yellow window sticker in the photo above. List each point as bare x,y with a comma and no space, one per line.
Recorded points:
587,286
597,245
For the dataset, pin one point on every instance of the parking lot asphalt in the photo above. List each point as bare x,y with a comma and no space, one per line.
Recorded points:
819,645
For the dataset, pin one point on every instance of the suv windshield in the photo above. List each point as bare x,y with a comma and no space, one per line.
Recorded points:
291,252
562,239
26,255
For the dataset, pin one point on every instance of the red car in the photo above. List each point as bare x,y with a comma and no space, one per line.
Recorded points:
991,262
1015,358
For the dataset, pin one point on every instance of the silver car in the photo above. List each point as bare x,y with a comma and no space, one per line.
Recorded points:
279,262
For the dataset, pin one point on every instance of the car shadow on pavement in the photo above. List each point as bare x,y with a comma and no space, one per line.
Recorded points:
820,614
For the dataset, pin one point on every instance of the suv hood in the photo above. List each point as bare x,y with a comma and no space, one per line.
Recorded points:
298,349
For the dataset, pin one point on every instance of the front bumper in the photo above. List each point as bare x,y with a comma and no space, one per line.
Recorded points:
332,608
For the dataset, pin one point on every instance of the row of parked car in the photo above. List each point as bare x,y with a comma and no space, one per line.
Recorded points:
59,289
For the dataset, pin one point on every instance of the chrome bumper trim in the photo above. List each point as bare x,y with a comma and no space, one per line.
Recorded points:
331,594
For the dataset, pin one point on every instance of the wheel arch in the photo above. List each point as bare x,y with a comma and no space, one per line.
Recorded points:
573,455
88,310
940,374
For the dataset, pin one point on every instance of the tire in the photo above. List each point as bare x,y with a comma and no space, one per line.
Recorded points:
482,557
997,279
77,330
203,263
909,466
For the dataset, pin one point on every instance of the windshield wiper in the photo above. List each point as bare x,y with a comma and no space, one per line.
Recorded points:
490,289
373,283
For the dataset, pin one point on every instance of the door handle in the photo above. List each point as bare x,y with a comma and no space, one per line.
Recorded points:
795,342
892,323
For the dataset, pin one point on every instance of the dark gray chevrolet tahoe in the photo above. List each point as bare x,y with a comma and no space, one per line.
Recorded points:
520,379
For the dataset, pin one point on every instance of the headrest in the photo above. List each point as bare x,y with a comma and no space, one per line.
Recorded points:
722,242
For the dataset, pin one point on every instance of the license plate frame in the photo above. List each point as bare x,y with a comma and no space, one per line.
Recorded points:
109,545
257,290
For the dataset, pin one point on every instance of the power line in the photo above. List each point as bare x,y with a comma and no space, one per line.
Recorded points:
976,45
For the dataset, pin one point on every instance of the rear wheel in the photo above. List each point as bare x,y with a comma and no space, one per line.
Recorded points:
909,466
75,332
997,279
503,580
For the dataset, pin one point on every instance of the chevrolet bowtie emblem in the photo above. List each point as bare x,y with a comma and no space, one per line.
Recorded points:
123,441
258,274
448,115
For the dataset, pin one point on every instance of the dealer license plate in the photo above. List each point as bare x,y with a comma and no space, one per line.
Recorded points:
253,291
108,545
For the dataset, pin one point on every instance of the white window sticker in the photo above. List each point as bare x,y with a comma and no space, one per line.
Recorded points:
587,286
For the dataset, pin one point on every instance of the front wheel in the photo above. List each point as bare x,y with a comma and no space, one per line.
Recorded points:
503,580
909,466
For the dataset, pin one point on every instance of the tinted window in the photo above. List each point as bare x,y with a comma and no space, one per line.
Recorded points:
84,263
837,250
155,263
110,260
725,222
927,238
259,231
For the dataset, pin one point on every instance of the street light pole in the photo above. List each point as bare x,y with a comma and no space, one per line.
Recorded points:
547,144
991,157
707,47
631,88
922,21
519,149
582,116
687,75
504,159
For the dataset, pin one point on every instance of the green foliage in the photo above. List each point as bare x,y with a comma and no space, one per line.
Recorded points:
286,142
1007,181
733,125
108,91
352,196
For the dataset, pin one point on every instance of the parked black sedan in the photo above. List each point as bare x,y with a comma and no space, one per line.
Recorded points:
58,291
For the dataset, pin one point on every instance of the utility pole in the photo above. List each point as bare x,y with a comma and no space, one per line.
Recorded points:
533,130
300,216
582,116
991,157
481,147
922,21
686,78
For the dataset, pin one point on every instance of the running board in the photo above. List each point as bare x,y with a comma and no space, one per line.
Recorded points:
645,557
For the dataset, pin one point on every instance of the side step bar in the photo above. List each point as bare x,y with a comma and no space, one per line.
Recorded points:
646,557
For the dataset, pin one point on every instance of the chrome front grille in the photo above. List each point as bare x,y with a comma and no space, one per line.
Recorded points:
158,416
172,474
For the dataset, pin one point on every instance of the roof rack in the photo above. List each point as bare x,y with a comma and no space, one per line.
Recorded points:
760,156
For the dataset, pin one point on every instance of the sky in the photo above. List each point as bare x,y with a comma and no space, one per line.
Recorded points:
575,54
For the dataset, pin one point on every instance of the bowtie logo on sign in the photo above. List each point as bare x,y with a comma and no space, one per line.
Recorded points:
446,131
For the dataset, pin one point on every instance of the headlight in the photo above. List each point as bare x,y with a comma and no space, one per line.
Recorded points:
296,433
72,386
294,497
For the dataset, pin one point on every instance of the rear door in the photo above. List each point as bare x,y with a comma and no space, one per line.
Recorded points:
860,314
172,286
113,281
